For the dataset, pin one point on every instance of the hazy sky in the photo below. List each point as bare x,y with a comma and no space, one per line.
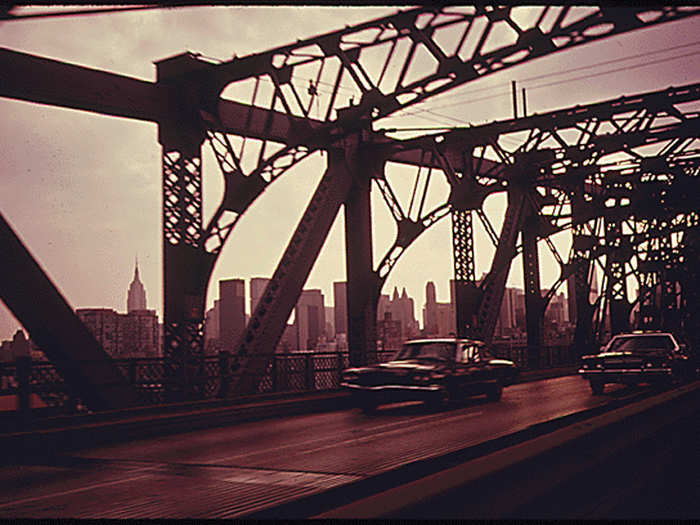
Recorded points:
83,191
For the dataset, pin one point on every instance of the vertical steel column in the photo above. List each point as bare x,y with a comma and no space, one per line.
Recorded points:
362,283
184,269
534,311
186,264
466,291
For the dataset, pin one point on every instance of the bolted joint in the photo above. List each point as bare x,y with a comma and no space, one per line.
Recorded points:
467,194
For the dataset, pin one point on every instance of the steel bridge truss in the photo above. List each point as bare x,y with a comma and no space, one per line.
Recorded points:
326,93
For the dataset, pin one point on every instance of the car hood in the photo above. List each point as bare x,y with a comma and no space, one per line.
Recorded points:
626,355
399,366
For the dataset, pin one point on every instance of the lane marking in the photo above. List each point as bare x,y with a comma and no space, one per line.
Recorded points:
374,436
373,429
73,491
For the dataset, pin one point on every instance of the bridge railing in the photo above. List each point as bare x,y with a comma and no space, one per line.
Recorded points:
36,388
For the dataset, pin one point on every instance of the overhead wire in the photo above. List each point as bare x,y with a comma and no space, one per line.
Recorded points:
81,12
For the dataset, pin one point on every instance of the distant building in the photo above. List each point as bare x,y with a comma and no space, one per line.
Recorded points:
231,311
257,289
138,334
211,323
103,323
136,296
438,318
134,334
288,342
310,315
401,308
330,322
430,315
340,307
389,337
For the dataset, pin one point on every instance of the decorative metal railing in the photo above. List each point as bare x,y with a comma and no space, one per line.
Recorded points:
35,386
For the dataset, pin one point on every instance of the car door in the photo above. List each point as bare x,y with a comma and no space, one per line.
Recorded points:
471,365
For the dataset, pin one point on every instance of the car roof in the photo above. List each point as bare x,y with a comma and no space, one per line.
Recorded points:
642,334
444,340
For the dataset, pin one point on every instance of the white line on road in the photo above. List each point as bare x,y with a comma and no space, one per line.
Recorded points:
74,491
375,435
373,430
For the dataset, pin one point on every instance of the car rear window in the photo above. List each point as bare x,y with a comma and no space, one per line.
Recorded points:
442,351
646,343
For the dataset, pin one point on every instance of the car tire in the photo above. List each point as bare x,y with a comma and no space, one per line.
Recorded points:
597,386
495,391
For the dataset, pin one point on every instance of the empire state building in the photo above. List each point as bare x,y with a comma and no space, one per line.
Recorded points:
136,298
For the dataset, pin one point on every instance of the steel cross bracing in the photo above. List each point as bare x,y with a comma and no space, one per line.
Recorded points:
566,148
555,28
489,39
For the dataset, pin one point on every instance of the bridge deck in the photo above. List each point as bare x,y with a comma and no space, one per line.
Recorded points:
238,470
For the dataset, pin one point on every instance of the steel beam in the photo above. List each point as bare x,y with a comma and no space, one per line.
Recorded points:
616,289
28,292
581,250
363,286
493,286
266,325
534,304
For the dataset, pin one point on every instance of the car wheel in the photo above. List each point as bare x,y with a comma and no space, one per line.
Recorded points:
495,391
597,386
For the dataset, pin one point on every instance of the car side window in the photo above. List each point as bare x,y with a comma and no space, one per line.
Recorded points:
469,353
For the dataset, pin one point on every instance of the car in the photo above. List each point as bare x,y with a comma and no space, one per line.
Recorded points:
431,370
637,357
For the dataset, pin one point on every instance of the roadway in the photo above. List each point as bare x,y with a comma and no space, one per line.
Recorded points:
241,470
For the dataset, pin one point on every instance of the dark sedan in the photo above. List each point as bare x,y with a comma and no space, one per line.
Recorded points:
641,357
431,370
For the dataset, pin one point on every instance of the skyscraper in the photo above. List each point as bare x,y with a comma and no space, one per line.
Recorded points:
231,311
340,305
430,314
310,318
257,288
136,296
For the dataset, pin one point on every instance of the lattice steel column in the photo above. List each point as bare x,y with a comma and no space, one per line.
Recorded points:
186,265
466,291
616,289
184,286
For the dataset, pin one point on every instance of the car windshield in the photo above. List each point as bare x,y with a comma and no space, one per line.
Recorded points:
441,351
646,343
